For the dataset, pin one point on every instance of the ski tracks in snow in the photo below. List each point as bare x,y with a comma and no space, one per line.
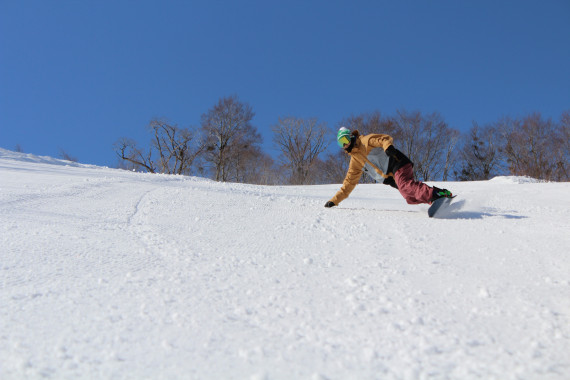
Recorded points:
115,274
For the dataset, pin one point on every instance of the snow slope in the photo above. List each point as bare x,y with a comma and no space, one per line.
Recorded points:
106,273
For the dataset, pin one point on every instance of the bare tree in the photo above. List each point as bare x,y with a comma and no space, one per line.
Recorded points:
247,163
372,122
563,148
225,126
127,150
481,154
64,155
251,165
530,148
451,154
565,129
335,167
426,141
300,142
176,149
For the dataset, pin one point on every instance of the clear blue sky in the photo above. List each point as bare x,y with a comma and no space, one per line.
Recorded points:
78,75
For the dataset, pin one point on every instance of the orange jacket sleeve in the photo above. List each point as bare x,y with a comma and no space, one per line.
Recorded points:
350,181
380,141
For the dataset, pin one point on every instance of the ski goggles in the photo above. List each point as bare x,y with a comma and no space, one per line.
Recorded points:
343,140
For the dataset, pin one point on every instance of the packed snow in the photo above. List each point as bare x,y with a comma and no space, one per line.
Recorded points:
110,274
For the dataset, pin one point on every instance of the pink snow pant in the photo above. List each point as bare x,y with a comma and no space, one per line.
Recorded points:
414,192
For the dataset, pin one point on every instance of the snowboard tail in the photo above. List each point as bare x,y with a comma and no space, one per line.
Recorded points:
437,204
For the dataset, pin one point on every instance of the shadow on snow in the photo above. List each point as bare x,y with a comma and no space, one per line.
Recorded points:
454,211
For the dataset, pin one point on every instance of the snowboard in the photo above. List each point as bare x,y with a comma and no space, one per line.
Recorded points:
437,204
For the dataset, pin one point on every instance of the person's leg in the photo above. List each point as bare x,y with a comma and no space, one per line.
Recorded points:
414,192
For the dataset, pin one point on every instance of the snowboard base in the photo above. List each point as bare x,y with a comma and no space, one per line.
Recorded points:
437,204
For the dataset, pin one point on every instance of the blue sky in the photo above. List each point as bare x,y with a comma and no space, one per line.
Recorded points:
78,75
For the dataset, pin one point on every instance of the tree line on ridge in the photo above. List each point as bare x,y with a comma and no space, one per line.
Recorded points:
226,147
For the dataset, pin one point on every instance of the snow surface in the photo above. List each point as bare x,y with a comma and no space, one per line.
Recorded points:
110,274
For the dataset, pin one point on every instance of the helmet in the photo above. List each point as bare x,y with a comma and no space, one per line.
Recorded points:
343,136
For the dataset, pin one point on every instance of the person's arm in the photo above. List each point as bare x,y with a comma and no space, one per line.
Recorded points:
350,181
380,141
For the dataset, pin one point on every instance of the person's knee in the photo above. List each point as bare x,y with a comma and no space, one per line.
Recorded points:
412,200
406,194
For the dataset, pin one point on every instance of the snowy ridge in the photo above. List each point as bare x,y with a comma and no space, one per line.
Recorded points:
111,274
28,157
514,179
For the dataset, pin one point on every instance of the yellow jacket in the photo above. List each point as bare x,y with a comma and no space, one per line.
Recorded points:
368,155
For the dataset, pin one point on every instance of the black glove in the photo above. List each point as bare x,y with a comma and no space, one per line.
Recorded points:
391,182
329,204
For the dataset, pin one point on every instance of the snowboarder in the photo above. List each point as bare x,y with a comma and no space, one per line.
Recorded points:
375,155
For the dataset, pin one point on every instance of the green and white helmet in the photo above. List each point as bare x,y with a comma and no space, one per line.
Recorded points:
343,136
